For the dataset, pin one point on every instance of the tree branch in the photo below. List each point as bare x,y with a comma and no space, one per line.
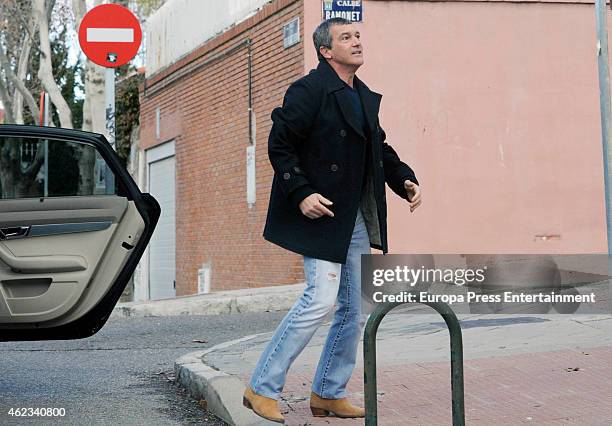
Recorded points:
22,70
19,85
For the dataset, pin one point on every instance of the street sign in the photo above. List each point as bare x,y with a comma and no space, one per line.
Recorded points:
110,35
351,10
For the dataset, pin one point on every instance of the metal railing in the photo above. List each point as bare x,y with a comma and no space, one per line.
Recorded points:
369,354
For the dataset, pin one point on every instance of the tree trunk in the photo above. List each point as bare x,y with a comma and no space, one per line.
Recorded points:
94,113
8,105
45,70
20,89
22,70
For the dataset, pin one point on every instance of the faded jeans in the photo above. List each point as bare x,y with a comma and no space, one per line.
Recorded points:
326,283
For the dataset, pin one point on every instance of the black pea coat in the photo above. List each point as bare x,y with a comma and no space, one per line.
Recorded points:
317,145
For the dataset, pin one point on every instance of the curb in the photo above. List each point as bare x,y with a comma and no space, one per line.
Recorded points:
262,299
222,392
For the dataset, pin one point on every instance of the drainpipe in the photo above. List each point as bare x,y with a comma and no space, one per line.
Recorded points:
250,150
250,83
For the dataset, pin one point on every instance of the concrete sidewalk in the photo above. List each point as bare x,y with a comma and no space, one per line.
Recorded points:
262,299
540,369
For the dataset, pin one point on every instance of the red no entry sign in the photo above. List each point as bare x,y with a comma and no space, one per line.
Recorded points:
110,35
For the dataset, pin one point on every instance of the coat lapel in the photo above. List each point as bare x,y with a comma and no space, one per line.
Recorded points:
370,100
342,96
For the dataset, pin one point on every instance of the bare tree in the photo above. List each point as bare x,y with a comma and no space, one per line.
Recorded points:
40,11
22,69
16,178
15,30
27,28
28,23
21,91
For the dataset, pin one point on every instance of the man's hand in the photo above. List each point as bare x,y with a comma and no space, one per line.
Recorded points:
414,194
313,206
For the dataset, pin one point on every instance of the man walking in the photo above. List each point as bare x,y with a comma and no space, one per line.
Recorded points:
327,203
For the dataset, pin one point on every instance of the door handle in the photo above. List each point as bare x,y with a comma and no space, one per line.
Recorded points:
14,232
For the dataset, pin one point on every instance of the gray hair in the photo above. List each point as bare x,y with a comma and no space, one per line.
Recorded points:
322,36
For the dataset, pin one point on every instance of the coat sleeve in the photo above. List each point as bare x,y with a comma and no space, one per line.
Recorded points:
291,125
396,171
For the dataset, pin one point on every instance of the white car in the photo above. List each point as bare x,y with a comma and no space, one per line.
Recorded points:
73,226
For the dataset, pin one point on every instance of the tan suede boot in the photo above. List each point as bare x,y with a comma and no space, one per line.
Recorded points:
262,406
321,407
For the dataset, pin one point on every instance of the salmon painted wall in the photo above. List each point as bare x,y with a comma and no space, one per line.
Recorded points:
495,105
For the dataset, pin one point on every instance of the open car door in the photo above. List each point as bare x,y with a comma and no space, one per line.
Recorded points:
73,226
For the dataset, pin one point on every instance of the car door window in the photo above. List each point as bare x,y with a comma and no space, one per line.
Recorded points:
33,168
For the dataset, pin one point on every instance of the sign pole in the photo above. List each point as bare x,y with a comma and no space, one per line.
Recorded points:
109,102
110,36
109,88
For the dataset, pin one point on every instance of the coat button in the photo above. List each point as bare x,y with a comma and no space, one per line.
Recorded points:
286,176
381,163
343,133
334,167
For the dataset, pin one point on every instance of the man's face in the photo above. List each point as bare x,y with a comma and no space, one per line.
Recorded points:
346,48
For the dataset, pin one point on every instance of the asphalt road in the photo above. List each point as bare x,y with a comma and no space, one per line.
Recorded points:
124,375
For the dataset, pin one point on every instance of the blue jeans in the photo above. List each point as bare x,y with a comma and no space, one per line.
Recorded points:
326,282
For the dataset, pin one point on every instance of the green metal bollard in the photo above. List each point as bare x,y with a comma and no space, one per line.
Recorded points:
369,354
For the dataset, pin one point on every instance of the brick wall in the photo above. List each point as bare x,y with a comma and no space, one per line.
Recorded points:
203,99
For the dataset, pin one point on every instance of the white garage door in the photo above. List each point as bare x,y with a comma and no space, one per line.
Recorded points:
162,246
